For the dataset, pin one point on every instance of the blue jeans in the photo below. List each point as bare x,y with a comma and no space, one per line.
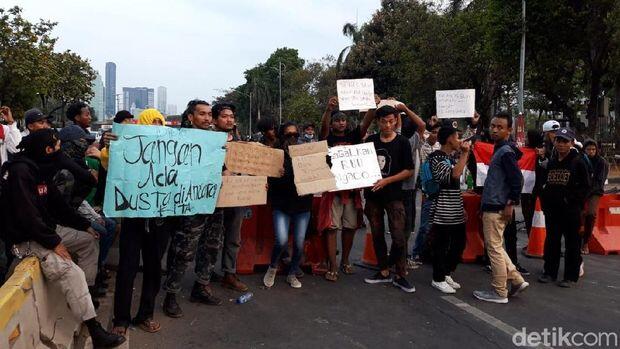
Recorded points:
420,238
106,237
281,224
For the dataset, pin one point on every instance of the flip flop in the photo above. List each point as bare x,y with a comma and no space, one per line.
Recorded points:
150,326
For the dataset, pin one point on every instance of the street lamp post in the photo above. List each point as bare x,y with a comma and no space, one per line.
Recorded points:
522,60
280,83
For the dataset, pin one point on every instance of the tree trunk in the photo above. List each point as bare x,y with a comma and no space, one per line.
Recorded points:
595,90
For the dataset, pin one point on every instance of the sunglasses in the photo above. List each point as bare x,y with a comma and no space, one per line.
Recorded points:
292,134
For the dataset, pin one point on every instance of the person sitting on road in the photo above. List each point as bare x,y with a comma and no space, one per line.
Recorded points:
288,209
31,209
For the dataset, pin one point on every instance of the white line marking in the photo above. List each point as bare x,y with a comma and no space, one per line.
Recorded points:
481,315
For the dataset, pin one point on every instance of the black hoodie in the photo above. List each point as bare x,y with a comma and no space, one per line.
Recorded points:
32,206
567,184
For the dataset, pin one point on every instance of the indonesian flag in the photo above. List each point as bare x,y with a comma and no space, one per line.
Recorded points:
527,164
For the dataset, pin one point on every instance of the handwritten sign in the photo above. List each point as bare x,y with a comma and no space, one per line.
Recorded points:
356,94
312,173
254,159
239,191
158,171
453,104
355,166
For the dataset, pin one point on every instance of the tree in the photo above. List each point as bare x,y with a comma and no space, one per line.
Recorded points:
31,71
352,31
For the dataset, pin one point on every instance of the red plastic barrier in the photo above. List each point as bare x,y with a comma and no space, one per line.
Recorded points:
257,239
474,247
606,234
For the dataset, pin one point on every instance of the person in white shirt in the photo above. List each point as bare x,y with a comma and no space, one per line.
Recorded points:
10,136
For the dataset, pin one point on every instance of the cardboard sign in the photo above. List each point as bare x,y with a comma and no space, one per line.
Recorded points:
355,166
390,102
158,171
239,191
312,174
452,104
356,94
254,159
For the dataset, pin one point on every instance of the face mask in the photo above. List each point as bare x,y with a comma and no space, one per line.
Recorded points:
308,136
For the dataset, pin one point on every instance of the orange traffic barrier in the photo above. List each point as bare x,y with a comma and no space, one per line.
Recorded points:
474,247
536,243
369,257
606,234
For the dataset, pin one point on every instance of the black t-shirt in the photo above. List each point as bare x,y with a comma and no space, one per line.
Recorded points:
393,158
350,137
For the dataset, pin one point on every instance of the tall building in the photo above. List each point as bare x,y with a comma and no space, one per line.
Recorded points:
97,103
172,109
161,99
138,97
110,89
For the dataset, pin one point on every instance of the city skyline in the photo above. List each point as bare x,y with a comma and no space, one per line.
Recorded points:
187,66
110,89
162,99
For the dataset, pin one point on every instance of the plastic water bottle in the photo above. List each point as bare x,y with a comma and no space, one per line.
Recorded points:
244,298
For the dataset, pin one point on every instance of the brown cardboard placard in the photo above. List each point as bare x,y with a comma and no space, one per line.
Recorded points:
312,173
254,159
239,191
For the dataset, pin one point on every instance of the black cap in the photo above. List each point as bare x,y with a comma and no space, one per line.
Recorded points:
34,115
565,133
73,132
121,116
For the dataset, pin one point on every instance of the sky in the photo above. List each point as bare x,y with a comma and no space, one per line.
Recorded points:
191,47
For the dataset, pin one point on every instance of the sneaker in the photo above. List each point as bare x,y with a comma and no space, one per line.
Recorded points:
567,284
455,285
516,289
582,271
203,294
378,278
490,296
487,268
403,284
171,307
522,270
545,279
293,281
585,250
270,276
443,287
413,263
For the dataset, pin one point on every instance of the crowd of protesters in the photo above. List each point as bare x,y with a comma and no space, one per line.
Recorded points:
53,184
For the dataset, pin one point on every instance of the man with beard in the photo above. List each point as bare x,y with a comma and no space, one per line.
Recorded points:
199,236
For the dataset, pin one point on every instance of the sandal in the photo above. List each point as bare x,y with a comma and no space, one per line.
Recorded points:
331,276
149,325
347,269
120,331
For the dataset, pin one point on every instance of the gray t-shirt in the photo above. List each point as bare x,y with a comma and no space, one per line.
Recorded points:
415,143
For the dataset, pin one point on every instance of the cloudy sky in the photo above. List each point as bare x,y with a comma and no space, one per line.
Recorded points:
194,47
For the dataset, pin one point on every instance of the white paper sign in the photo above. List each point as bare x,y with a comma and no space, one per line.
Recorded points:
355,166
453,104
356,94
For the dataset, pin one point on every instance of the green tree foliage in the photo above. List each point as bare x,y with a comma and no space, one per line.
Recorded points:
306,87
31,73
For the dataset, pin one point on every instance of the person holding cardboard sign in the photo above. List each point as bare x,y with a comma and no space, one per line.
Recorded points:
200,236
340,210
386,197
224,121
287,207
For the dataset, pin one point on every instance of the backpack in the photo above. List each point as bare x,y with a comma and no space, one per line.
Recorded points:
430,186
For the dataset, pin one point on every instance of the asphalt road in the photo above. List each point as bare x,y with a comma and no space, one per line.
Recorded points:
352,314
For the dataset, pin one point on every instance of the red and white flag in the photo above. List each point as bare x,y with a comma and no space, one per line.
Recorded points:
527,164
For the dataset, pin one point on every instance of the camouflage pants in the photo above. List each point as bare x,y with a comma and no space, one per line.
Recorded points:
200,236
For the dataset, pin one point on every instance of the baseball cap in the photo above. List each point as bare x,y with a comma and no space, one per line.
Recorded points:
551,125
34,115
565,133
73,132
